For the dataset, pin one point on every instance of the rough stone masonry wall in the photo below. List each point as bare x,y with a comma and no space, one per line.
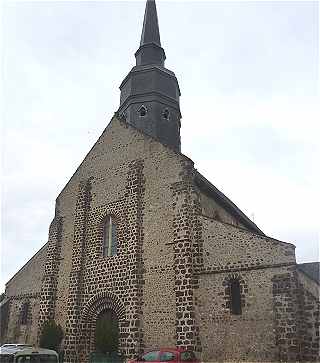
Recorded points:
183,203
51,269
130,177
91,273
163,169
105,164
227,248
296,308
25,287
67,204
246,337
100,282
76,275
18,332
309,293
231,252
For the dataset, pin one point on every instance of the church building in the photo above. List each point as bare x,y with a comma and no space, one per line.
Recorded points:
140,236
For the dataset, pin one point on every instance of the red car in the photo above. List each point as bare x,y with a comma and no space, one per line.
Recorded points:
163,355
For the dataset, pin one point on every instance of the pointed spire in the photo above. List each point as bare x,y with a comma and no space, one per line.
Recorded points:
150,51
150,30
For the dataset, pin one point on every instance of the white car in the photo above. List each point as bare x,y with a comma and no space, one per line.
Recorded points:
30,355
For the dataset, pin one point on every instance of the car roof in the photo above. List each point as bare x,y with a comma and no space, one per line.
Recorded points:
33,350
14,345
16,351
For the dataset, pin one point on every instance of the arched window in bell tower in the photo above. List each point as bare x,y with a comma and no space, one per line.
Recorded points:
110,241
166,114
142,111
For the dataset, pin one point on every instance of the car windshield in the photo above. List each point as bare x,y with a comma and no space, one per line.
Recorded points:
151,356
167,357
37,358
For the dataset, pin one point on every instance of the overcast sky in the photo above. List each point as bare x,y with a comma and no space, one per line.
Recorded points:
248,74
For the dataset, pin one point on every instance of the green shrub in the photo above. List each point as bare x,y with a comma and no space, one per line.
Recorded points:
51,335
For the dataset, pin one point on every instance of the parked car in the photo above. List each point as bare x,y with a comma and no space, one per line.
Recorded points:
163,355
28,355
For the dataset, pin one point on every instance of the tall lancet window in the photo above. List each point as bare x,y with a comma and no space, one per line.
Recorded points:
235,297
24,313
110,237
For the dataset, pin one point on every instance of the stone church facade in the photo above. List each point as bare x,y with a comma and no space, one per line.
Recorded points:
188,268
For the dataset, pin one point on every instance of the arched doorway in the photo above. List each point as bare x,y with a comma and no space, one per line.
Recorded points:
107,333
101,309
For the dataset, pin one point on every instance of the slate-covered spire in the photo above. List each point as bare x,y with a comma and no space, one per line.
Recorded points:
150,93
150,30
150,51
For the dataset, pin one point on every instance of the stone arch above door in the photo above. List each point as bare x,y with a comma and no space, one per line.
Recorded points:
102,301
92,309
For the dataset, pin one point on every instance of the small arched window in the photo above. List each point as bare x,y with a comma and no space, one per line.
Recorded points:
235,296
142,111
110,237
24,313
166,114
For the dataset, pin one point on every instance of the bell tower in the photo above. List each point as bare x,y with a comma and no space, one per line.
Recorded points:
150,93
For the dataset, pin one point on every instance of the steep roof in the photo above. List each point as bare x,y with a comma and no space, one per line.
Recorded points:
312,270
28,262
217,195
